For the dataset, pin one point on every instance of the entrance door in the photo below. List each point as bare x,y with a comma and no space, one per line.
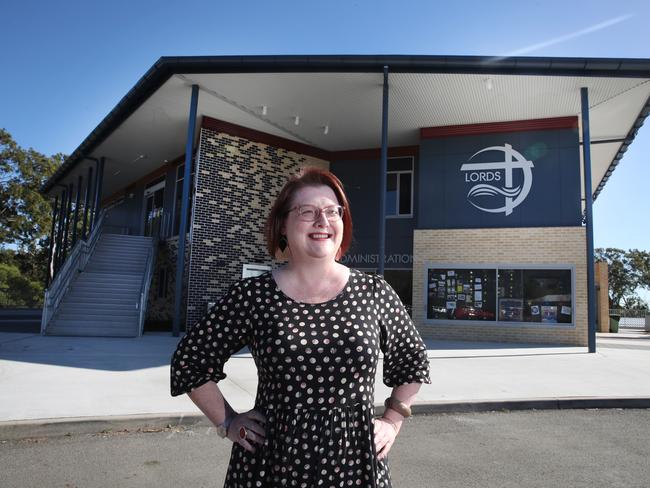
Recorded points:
154,195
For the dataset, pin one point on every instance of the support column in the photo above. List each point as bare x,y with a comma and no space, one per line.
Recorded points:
87,202
59,234
49,273
68,211
75,221
180,263
98,189
586,156
383,167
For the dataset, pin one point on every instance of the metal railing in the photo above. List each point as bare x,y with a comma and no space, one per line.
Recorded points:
146,283
76,262
631,319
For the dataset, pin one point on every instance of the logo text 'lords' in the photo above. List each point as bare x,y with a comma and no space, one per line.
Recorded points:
506,196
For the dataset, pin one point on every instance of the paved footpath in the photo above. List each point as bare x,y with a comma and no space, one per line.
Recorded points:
45,381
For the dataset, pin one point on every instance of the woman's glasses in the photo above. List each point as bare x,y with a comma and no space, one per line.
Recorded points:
310,213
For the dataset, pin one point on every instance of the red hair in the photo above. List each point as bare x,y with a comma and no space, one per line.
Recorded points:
306,177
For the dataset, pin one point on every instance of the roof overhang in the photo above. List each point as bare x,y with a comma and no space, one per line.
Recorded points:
148,126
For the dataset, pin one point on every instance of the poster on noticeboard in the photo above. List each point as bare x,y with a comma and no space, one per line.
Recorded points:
469,294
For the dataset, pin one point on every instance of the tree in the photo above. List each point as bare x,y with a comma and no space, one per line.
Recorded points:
25,221
628,271
25,215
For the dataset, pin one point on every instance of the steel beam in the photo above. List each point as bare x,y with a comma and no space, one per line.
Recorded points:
49,273
383,168
180,262
75,221
59,235
98,189
87,202
68,210
586,156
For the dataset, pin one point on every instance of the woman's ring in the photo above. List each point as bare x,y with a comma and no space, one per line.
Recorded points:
242,433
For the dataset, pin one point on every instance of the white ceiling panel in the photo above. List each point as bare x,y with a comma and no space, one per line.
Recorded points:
349,104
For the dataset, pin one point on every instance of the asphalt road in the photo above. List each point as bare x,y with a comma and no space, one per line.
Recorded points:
553,448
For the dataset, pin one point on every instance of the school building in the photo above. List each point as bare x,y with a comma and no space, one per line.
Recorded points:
471,182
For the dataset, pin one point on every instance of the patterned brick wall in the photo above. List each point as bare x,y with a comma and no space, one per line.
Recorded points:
601,278
237,182
549,245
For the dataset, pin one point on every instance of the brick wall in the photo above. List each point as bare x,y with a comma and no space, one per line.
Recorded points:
513,246
237,182
601,272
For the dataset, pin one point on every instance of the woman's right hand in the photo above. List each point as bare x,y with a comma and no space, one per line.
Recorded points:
252,423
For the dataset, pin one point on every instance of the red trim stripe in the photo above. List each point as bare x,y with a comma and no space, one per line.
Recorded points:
258,136
570,122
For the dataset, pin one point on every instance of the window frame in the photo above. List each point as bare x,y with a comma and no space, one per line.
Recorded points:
398,173
497,267
177,179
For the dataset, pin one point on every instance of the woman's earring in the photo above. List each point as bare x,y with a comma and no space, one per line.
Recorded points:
283,243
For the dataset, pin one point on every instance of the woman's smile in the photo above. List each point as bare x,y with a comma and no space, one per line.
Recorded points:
319,238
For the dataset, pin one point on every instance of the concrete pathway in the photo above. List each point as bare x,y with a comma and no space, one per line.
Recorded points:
62,379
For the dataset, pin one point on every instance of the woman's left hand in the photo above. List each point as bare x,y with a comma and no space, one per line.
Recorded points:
385,433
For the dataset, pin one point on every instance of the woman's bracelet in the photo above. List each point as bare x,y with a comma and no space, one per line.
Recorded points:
400,407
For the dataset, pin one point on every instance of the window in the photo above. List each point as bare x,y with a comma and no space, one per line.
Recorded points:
507,295
399,187
535,295
461,294
180,172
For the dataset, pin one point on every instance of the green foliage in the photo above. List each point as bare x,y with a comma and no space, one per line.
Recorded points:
25,222
17,290
628,271
25,214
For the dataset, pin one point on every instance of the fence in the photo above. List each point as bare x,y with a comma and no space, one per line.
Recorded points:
630,319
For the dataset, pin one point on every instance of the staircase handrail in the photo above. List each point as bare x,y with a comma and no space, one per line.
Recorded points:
76,261
146,283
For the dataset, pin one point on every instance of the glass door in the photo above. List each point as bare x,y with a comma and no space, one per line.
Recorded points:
154,195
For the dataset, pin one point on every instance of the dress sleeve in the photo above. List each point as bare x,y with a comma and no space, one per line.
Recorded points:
405,354
201,354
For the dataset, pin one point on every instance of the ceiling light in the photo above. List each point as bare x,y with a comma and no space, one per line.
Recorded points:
296,120
264,109
117,172
139,157
326,129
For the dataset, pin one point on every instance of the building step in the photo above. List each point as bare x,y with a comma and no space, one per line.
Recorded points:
108,289
126,301
101,299
118,322
130,280
94,316
106,331
122,256
116,247
108,268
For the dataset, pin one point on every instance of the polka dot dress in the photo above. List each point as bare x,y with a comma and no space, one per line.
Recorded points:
316,367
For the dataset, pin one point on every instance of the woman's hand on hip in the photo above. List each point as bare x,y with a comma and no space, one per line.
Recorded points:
385,433
247,429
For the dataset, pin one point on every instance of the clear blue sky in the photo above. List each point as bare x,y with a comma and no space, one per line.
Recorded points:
66,64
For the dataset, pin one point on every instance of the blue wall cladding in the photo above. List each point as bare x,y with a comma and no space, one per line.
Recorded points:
361,181
513,179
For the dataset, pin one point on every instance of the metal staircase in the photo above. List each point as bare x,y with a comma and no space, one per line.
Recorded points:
107,296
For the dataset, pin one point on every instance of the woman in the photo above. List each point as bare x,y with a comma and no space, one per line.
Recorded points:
315,329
